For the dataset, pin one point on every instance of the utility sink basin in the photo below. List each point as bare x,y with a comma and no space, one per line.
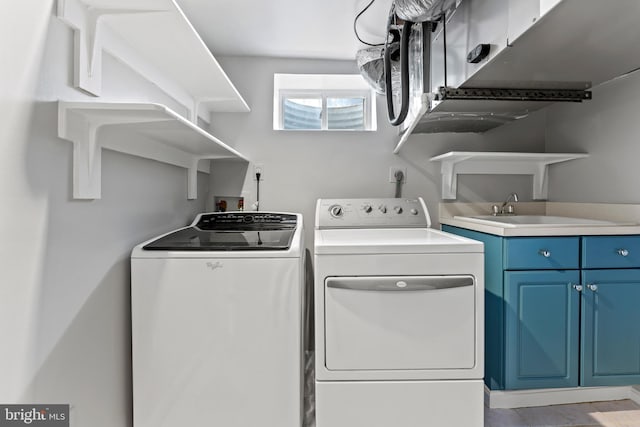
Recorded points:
538,221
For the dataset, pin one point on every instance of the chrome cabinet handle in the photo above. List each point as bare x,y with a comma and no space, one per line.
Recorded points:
623,252
545,253
577,288
592,287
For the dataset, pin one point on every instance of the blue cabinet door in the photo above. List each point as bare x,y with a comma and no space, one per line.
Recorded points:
541,334
610,327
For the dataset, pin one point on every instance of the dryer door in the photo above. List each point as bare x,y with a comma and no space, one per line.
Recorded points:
400,322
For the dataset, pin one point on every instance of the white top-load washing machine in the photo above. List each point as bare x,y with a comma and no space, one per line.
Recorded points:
398,318
217,323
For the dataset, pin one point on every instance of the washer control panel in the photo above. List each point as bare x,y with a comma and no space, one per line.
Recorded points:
371,213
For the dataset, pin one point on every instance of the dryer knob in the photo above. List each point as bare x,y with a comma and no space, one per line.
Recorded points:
414,211
336,211
367,208
398,209
383,208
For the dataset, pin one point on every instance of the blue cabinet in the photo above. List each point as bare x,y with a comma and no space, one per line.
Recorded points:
610,327
560,311
541,329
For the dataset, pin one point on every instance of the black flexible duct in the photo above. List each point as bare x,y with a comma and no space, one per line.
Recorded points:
404,73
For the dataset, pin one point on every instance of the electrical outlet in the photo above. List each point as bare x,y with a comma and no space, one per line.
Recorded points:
392,173
258,168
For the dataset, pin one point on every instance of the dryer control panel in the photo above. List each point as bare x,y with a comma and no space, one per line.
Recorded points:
372,213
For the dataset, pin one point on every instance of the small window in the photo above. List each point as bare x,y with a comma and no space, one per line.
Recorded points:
323,102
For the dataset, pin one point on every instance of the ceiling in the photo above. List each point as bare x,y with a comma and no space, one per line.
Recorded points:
320,29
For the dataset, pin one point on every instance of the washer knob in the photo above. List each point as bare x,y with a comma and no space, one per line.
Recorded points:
367,208
336,211
414,211
398,209
383,209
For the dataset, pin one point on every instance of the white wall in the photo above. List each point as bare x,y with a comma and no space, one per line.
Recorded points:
301,167
64,263
608,128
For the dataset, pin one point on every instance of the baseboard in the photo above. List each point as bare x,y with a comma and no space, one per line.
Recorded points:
558,396
634,393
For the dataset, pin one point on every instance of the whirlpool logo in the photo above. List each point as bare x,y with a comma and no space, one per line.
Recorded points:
34,415
214,265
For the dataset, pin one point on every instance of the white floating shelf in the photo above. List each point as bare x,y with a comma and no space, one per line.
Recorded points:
151,131
455,163
154,38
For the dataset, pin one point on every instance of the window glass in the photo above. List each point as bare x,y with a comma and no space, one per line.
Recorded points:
345,113
302,113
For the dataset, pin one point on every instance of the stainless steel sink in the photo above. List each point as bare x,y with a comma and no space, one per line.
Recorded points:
538,221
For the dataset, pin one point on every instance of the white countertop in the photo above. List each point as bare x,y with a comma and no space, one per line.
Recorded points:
508,231
627,214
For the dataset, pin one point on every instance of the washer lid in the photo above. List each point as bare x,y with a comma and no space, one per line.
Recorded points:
392,241
232,232
194,239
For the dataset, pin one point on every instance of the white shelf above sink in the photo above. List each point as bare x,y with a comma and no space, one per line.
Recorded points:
154,38
147,130
455,163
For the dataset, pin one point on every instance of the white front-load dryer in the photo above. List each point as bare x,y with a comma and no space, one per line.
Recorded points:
399,311
217,311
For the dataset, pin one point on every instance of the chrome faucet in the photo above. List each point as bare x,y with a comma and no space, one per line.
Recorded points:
505,208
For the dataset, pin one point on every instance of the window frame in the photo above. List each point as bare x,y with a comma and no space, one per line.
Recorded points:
319,86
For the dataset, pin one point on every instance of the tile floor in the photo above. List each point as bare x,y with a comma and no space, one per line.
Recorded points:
619,413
